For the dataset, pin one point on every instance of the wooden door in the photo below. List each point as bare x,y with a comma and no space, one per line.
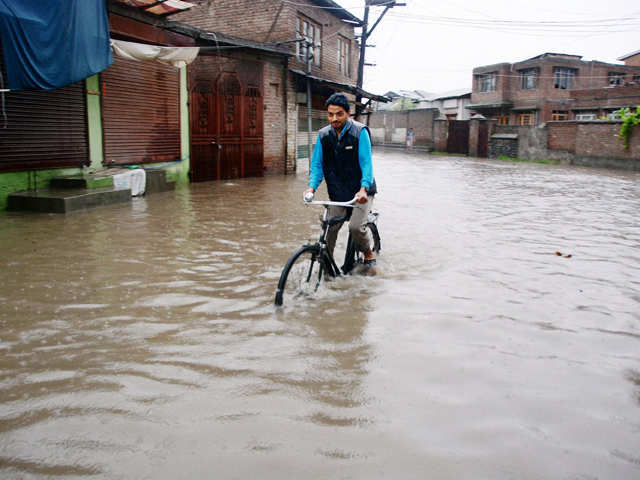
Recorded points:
458,138
253,132
483,139
230,126
204,132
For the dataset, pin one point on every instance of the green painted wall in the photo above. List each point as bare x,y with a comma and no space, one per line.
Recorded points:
16,181
177,172
96,152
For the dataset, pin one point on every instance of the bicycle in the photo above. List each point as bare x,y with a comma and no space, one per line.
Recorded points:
303,272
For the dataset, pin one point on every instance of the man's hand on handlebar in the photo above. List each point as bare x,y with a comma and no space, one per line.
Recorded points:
308,194
361,196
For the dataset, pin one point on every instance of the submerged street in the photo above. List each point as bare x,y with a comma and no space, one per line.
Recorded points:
500,338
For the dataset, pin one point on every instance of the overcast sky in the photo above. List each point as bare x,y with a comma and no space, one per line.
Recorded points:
434,45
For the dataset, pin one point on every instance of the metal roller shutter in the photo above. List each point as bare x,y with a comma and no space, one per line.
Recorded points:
44,128
141,112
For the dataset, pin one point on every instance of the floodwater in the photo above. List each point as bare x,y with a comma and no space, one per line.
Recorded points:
141,341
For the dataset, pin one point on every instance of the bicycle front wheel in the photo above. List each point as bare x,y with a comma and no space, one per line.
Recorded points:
301,275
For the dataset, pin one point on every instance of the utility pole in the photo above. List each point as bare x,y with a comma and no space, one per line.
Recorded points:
366,32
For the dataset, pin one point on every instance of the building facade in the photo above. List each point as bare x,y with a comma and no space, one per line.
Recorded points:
542,88
319,38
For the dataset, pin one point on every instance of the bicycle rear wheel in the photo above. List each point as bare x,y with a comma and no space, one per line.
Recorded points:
351,257
301,275
376,237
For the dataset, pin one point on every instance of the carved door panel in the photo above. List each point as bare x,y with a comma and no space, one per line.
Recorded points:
230,121
253,133
205,149
227,119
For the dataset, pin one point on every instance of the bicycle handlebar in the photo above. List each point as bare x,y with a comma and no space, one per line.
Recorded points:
350,203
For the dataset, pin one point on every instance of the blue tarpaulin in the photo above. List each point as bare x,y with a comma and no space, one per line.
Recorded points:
48,44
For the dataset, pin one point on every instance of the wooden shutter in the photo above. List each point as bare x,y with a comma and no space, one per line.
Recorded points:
43,128
141,112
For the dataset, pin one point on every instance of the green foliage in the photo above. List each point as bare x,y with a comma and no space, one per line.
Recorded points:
629,120
504,158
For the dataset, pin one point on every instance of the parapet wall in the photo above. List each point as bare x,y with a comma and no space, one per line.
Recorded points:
587,143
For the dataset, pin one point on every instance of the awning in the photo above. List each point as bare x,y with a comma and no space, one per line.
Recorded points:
480,106
49,47
161,8
342,86
176,56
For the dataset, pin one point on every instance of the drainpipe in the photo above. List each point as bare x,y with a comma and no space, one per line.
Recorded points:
309,139
285,76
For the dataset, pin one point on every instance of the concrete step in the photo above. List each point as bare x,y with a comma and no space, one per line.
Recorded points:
66,200
88,181
156,181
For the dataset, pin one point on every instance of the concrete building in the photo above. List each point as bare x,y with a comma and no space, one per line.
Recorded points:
541,88
452,104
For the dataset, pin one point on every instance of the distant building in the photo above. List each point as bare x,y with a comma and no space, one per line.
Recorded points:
631,59
452,104
403,100
543,88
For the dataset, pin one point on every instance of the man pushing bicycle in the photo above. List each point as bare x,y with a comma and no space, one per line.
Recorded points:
342,156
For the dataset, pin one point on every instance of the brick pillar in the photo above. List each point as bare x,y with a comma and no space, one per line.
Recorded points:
474,130
440,135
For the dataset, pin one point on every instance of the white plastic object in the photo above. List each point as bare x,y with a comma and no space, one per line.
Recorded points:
308,197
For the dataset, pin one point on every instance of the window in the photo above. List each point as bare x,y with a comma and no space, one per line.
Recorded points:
525,118
563,77
586,116
636,77
344,52
502,119
310,31
529,79
616,78
487,82
559,115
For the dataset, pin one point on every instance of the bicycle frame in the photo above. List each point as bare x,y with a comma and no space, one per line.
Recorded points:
320,252
331,266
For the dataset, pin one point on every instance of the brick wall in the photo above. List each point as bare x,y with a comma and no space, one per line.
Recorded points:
634,60
391,127
275,118
587,143
562,136
599,139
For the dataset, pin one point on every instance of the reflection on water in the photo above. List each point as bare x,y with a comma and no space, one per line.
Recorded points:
140,341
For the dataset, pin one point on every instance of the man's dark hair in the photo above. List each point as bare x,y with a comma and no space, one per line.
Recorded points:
338,99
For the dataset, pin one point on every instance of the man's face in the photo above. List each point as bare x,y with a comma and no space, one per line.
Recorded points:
337,116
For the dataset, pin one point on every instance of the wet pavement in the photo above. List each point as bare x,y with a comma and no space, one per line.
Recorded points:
141,340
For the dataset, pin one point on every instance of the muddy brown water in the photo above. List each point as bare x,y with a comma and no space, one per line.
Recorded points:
141,341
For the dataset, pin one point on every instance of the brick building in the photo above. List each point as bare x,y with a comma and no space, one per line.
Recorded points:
552,86
632,59
318,30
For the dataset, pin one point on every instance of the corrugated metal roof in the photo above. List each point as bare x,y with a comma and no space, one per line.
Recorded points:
161,8
337,10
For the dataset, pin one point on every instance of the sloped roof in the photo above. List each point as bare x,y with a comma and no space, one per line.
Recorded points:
161,8
624,57
460,92
337,10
